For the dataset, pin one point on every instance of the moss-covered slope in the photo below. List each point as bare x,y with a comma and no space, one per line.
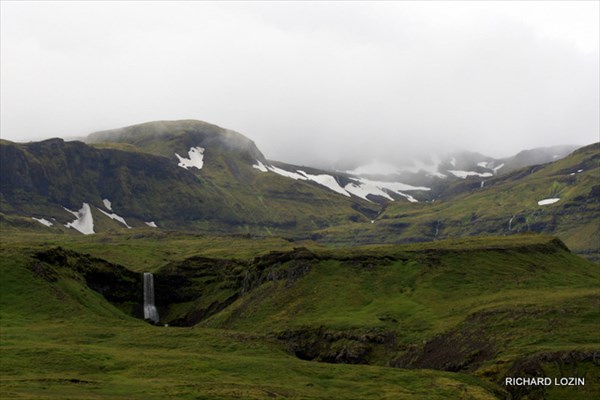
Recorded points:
145,184
503,206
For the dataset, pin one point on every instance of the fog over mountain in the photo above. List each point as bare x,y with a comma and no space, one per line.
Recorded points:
310,83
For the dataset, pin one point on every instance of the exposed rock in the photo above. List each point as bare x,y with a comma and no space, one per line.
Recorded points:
116,283
338,347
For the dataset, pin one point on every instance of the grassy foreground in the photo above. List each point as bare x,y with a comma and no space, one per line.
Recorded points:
530,297
65,341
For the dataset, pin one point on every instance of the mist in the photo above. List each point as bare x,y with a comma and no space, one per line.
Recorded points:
311,83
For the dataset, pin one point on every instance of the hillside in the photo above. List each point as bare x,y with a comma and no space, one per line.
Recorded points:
194,176
124,185
169,137
521,201
449,319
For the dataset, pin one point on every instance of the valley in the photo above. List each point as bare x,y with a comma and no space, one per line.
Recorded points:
271,280
138,176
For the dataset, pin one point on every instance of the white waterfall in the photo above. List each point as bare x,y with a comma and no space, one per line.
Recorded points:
150,311
510,222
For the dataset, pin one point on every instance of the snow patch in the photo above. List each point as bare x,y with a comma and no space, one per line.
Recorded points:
498,167
107,204
323,179
326,180
482,164
287,174
151,224
363,187
453,162
579,170
548,201
115,217
84,221
196,155
408,197
359,187
465,174
396,186
260,166
482,183
43,221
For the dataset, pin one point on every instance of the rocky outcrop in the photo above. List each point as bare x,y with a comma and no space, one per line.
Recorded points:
337,347
209,285
116,283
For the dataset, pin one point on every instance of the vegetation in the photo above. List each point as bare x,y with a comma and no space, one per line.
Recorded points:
506,205
60,339
135,168
459,314
272,287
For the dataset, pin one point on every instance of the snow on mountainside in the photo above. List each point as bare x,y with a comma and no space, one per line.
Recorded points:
107,203
378,168
545,202
115,217
196,175
431,171
195,160
466,174
84,222
432,177
359,187
210,146
43,221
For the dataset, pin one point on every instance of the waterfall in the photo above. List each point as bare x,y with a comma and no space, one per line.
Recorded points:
150,311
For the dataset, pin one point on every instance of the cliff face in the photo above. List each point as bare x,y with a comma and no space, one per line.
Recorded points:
54,174
191,175
216,190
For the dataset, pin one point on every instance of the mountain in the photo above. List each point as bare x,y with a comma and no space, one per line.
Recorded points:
286,281
169,137
438,172
227,148
560,197
175,175
192,175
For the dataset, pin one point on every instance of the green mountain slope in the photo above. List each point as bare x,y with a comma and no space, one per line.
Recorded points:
147,174
168,137
138,173
503,206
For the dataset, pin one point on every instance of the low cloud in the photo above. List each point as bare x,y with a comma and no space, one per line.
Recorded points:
310,83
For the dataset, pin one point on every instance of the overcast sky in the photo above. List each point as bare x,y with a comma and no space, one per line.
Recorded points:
309,82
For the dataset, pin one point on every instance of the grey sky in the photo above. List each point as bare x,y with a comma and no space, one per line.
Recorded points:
309,82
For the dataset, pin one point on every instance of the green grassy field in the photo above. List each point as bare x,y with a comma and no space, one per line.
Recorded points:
65,341
495,302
